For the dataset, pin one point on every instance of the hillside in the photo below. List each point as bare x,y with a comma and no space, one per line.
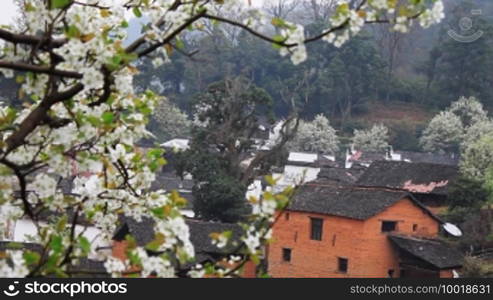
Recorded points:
405,121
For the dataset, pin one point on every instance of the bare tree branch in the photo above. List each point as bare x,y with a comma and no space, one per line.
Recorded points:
20,66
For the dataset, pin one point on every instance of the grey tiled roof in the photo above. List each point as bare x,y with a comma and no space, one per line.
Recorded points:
319,196
340,175
434,252
200,235
434,158
200,231
322,196
414,177
9,245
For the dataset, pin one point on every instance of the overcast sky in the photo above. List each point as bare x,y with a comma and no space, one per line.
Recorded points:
8,10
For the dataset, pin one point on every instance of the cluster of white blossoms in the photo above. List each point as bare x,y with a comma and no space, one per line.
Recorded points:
457,127
295,35
400,14
433,15
151,264
79,119
374,139
16,268
115,266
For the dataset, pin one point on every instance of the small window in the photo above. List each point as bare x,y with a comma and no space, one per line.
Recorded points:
342,264
316,229
391,273
286,216
389,226
286,254
415,227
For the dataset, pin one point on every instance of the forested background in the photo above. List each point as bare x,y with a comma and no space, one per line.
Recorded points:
381,76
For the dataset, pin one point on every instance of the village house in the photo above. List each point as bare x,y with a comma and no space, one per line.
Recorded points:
428,183
200,237
334,231
363,159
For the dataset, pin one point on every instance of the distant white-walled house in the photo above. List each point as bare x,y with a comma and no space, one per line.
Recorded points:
177,144
301,168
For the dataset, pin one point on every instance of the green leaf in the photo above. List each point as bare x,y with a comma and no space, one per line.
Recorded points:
20,79
179,44
60,3
156,243
31,258
128,57
279,39
158,212
93,121
60,226
52,261
270,180
56,244
108,117
28,7
155,153
72,31
278,22
137,12
131,242
84,244
255,259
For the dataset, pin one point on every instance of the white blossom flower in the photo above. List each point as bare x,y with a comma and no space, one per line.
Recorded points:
43,185
114,266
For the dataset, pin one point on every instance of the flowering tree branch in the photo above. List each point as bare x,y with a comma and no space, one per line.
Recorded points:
82,118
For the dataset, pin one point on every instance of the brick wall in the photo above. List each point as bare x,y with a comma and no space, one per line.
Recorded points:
367,249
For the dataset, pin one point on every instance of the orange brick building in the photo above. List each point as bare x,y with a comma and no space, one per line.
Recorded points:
358,232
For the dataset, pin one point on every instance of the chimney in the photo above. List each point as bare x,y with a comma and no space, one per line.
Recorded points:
348,164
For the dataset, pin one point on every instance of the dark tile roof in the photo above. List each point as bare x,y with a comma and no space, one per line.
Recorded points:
200,231
142,232
413,177
200,235
340,175
321,196
89,267
434,158
434,252
320,162
9,245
